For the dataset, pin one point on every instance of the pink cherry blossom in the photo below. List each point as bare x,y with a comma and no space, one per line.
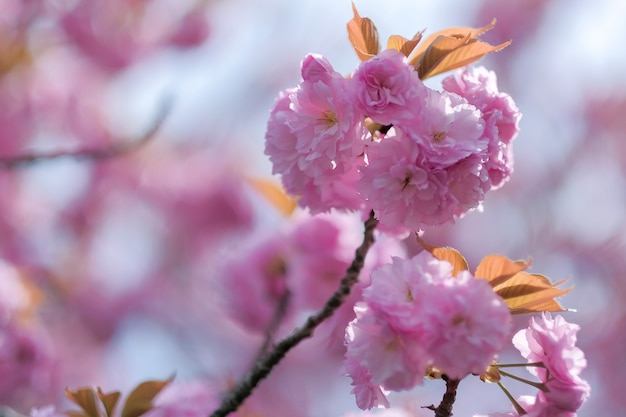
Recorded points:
501,116
314,138
395,360
367,395
401,299
553,342
416,314
401,188
472,322
448,130
387,89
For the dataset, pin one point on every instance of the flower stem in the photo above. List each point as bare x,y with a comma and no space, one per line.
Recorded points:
262,368
512,365
517,406
537,385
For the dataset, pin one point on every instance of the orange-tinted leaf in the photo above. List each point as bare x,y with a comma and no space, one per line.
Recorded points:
402,44
446,254
109,401
523,292
363,36
140,399
73,413
445,60
275,194
454,32
497,269
86,399
452,48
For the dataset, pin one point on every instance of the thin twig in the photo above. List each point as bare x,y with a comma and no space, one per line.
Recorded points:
94,153
279,314
262,368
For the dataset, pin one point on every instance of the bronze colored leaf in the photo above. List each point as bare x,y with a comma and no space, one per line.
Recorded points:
459,263
454,32
140,399
109,401
275,195
85,398
446,60
363,36
402,44
523,292
73,413
497,269
452,48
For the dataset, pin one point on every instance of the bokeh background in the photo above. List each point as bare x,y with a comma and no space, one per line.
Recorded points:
108,263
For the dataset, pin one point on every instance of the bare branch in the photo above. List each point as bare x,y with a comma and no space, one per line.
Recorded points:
96,153
262,368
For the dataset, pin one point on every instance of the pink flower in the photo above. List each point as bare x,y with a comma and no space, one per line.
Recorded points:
397,294
500,114
253,288
448,130
553,342
329,132
367,395
472,325
395,360
416,314
387,89
401,188
314,139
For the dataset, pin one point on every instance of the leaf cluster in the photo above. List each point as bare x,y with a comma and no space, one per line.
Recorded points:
442,51
95,403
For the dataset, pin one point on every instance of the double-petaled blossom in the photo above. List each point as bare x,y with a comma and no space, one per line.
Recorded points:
416,314
387,89
553,343
430,156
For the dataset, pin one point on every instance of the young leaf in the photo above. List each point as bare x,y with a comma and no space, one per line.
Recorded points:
140,399
85,398
459,263
402,44
523,292
275,195
454,32
363,36
109,400
450,49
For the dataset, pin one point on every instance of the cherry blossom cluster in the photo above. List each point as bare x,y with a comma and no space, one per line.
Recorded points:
416,316
300,267
381,139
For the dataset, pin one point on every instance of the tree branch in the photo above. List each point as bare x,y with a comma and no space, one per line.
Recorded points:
262,368
92,154
444,409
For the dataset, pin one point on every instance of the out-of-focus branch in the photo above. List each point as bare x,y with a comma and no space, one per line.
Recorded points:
279,314
262,368
444,409
93,153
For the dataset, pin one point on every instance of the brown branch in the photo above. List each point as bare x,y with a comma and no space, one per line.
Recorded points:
261,369
94,153
444,409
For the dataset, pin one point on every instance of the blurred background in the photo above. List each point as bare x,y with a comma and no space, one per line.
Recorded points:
108,264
